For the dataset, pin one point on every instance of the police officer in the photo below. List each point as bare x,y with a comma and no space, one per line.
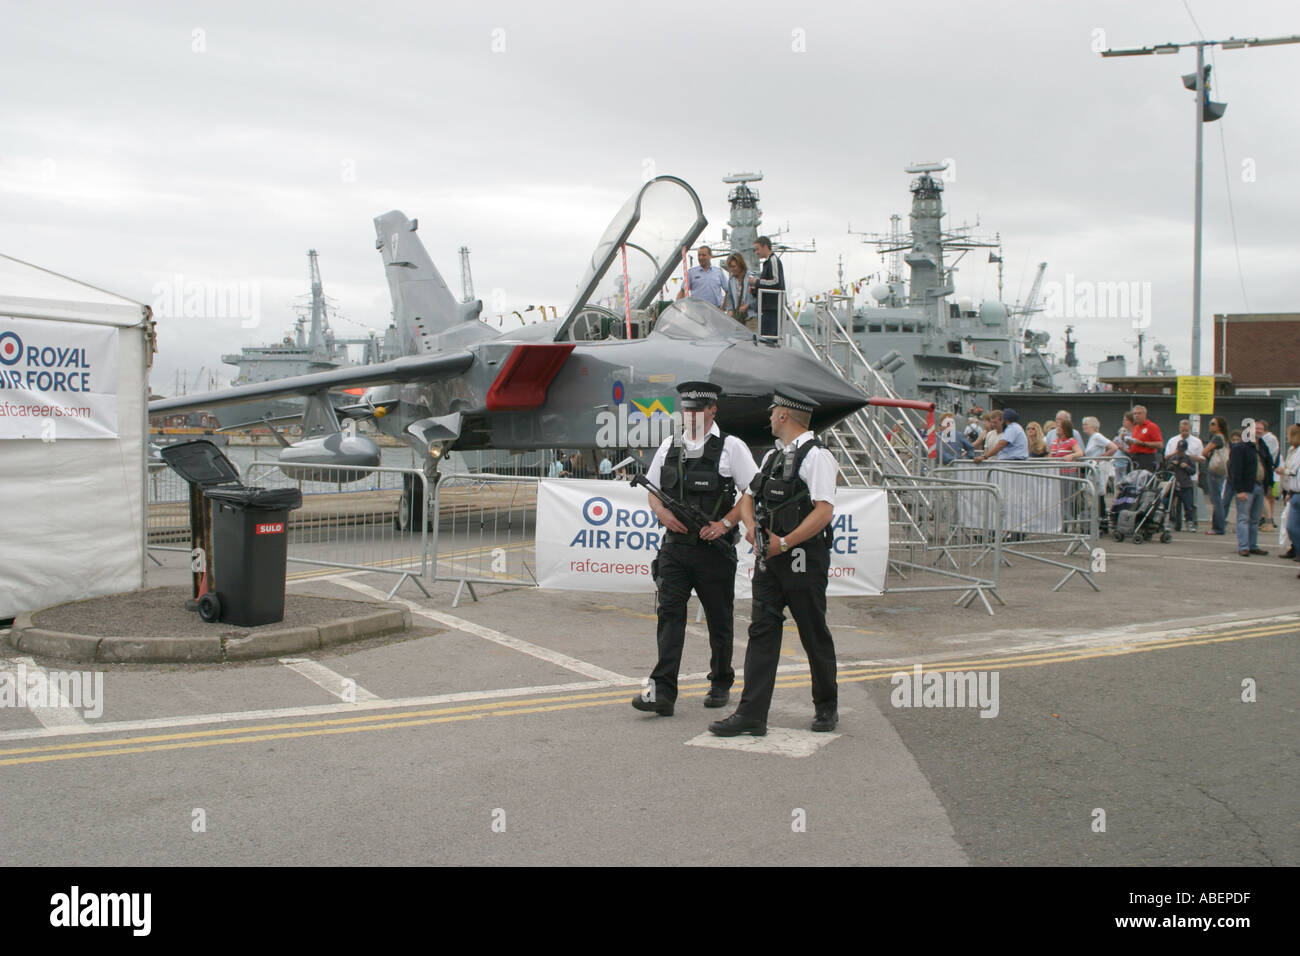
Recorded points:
791,502
704,467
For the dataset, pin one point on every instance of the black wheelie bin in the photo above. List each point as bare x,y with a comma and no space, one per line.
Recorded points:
249,546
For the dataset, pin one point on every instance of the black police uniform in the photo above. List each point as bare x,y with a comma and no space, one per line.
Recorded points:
782,501
687,562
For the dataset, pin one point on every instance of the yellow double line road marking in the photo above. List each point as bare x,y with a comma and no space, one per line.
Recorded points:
45,753
1064,655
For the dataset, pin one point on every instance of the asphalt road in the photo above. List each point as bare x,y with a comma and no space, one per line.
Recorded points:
500,732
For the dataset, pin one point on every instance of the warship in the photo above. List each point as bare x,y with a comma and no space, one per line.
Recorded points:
944,349
311,347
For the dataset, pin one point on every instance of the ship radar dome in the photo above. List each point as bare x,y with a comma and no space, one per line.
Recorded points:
993,313
880,292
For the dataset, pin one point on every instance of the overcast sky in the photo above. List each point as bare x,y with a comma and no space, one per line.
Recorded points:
218,142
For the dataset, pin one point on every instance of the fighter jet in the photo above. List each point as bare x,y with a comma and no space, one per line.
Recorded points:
609,361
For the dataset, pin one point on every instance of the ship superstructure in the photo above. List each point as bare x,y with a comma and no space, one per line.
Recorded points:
312,347
938,347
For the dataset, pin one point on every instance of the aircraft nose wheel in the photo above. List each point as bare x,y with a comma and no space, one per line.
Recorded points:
210,608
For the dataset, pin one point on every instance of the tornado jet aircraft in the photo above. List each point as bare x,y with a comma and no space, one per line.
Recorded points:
464,385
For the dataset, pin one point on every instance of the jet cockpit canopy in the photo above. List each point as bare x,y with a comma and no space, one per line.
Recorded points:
657,225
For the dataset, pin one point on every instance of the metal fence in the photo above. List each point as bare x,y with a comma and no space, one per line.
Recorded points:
365,519
950,531
944,535
1051,510
484,528
167,511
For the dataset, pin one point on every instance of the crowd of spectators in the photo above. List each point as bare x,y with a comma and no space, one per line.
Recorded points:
1246,467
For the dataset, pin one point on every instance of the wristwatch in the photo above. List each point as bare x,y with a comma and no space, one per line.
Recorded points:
784,547
725,523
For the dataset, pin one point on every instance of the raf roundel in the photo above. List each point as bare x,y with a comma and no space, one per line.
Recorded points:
617,393
11,348
597,510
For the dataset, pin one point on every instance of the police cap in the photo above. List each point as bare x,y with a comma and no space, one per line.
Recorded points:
792,398
696,395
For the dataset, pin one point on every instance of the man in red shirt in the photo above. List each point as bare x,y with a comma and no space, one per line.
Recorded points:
1145,443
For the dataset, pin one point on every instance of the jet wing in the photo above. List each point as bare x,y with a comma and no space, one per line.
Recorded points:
399,371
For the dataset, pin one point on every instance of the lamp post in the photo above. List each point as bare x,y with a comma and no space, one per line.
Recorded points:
1206,112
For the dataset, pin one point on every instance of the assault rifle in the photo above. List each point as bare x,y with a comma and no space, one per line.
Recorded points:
693,518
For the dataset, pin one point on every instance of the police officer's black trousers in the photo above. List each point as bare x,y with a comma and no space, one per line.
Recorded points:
711,572
808,608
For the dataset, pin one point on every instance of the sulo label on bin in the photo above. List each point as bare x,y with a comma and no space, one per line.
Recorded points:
275,527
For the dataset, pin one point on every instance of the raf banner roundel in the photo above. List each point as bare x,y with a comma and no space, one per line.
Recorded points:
602,536
57,380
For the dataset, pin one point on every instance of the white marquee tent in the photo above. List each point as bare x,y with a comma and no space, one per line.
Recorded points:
74,364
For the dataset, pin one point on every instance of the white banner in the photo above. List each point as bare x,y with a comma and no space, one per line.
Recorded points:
57,380
602,536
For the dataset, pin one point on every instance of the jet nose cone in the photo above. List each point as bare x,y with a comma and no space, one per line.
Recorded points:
750,372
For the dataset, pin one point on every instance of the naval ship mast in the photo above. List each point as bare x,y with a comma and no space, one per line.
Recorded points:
954,353
922,248
744,221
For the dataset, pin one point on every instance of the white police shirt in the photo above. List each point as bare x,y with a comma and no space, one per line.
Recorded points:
735,461
818,470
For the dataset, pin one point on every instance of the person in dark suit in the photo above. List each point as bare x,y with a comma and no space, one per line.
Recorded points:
1243,479
770,285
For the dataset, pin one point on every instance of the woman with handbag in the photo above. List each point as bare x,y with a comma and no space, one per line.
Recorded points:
1216,453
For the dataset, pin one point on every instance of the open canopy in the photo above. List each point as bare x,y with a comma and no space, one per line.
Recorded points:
657,224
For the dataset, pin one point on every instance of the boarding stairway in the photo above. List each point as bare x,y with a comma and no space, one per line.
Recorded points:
881,438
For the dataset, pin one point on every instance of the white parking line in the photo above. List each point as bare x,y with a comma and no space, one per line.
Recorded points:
314,710
1023,641
505,640
779,741
60,712
344,688
1281,565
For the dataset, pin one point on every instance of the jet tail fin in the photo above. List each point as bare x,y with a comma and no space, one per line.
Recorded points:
423,306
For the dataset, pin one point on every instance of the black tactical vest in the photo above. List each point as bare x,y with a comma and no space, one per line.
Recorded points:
698,482
784,497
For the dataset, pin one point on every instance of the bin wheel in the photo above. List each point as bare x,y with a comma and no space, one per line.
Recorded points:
1138,537
1118,535
1166,537
410,508
210,607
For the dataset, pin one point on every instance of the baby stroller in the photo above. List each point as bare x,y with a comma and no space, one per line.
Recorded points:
1142,503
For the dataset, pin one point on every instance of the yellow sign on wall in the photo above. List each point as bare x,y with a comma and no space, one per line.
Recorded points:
1195,395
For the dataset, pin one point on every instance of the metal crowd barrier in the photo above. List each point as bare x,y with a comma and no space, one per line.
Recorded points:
1050,509
484,531
944,535
365,519
167,511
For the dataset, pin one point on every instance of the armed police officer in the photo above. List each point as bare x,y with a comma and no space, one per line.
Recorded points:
702,470
790,504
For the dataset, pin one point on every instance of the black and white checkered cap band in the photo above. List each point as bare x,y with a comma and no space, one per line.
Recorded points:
700,396
791,403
